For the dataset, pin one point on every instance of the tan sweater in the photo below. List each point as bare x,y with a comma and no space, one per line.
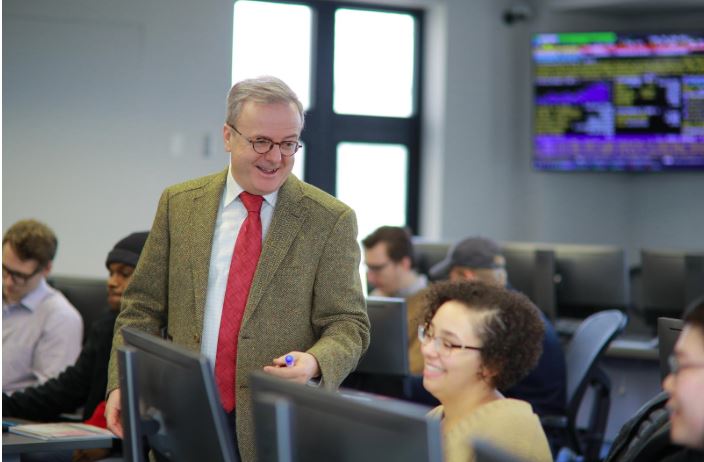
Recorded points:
508,423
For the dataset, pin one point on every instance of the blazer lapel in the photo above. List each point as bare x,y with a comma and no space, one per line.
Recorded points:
202,224
285,226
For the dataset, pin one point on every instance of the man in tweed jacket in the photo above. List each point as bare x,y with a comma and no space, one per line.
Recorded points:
306,297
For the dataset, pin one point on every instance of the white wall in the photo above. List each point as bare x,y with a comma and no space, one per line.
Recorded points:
106,103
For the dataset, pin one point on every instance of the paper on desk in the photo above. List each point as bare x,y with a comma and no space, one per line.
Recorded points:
61,431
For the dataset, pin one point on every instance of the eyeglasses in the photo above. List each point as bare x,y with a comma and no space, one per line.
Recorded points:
442,346
264,145
676,367
17,277
377,268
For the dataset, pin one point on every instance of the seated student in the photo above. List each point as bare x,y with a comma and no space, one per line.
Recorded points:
388,254
478,338
41,331
545,386
84,383
685,385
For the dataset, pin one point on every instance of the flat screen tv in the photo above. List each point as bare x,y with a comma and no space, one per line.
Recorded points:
611,101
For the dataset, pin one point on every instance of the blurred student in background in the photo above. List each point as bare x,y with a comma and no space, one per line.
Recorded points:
388,255
41,331
84,383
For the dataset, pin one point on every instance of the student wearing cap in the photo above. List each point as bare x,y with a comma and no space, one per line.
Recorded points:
480,259
84,383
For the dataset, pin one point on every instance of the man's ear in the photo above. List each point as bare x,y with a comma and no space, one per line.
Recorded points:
47,268
406,262
227,137
468,274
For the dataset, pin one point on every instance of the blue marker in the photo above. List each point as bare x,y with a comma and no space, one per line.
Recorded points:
289,360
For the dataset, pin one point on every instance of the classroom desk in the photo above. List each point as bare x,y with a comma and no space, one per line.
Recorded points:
14,445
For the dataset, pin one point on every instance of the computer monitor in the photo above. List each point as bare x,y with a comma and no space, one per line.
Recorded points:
589,278
169,396
484,451
531,270
670,280
388,347
272,414
354,427
669,330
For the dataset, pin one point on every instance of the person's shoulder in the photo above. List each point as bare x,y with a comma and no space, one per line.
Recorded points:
507,407
57,305
437,412
106,323
316,197
197,184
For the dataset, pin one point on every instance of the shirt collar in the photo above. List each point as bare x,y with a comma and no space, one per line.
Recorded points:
233,190
35,297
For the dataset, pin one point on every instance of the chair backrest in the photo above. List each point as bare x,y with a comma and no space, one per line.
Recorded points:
428,254
88,295
669,330
645,437
589,342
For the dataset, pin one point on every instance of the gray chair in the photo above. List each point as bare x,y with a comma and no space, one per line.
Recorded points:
590,341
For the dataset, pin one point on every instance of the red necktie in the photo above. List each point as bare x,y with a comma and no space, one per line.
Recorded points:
248,247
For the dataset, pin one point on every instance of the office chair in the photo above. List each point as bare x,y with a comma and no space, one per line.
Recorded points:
88,295
583,353
428,254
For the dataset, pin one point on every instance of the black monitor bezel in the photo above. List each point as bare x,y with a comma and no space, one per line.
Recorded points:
137,345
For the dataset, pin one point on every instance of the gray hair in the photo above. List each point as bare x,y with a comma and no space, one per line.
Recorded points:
265,89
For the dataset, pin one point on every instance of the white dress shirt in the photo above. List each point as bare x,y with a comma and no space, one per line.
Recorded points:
231,215
41,336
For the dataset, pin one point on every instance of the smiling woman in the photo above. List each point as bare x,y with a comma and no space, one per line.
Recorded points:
478,338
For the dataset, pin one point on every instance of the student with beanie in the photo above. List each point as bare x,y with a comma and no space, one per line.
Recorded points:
84,383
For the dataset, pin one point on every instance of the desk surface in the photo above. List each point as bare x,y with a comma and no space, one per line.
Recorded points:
627,345
634,348
13,445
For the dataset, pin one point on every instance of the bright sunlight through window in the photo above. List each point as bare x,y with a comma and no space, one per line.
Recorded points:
373,63
371,178
273,39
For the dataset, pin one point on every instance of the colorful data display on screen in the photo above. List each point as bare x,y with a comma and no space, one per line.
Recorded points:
624,102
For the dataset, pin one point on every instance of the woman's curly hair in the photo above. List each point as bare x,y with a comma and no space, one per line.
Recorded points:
512,333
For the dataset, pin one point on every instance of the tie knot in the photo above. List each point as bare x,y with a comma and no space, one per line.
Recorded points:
252,202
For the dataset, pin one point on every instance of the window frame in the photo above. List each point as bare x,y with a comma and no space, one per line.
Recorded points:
325,129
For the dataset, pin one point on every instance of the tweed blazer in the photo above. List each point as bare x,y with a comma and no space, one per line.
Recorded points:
306,294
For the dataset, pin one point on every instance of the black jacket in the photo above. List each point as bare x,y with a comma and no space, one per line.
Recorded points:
545,387
82,384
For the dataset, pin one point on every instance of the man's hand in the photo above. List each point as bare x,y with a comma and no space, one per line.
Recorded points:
304,367
113,412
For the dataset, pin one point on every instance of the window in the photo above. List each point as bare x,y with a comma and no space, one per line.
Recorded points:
261,44
361,90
